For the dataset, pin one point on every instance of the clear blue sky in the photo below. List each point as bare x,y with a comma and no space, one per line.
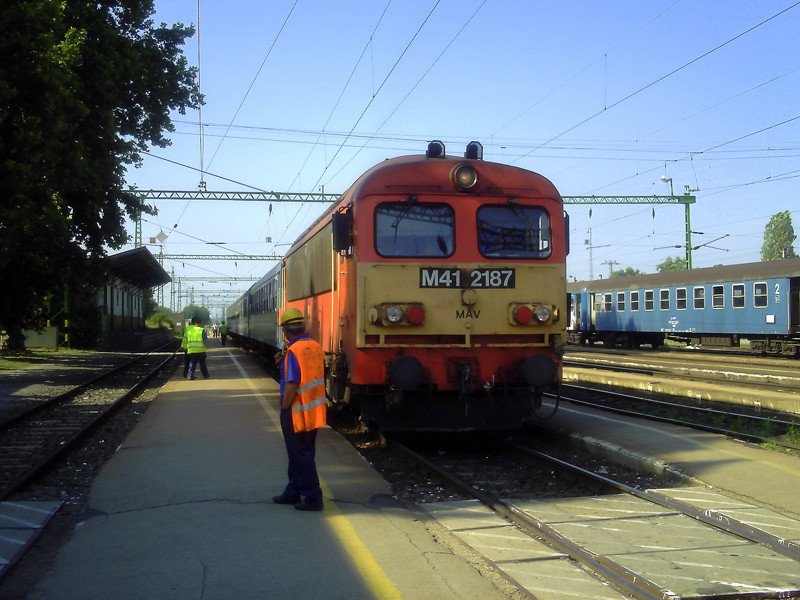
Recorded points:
602,98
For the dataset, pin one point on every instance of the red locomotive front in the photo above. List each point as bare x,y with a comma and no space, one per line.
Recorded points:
443,303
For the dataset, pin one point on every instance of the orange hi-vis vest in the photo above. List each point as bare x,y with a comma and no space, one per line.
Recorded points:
310,406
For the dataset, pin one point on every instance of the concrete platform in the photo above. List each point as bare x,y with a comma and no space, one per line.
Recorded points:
183,511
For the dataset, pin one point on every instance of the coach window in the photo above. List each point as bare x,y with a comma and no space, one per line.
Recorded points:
514,231
411,229
699,298
649,299
680,298
634,301
663,299
737,295
607,303
760,298
620,301
717,296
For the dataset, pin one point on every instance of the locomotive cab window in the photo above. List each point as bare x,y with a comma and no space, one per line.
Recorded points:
411,229
514,231
760,298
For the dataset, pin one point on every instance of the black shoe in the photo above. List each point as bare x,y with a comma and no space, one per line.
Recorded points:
191,378
286,499
308,506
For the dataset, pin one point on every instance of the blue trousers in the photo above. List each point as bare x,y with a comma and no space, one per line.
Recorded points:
194,358
301,449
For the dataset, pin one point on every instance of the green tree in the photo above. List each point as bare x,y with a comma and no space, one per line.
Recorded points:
626,272
677,263
779,237
200,312
85,88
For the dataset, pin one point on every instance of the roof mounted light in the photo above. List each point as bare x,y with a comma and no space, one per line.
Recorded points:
474,151
464,177
435,149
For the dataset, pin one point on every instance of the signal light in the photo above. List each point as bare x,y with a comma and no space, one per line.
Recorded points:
474,151
435,149
394,314
465,178
523,314
416,315
542,314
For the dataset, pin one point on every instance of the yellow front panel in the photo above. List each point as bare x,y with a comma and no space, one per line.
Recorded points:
451,312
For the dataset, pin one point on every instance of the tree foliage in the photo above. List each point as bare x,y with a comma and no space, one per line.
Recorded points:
677,263
626,272
85,88
779,237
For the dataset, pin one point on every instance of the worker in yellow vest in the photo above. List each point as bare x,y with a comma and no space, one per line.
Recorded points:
196,338
304,409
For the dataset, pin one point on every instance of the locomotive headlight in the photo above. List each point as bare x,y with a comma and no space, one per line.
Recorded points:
465,178
394,314
542,314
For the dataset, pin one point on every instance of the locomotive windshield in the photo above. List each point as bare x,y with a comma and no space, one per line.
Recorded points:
414,229
514,231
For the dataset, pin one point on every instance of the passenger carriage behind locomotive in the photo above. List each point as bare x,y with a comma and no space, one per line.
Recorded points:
436,286
253,319
715,306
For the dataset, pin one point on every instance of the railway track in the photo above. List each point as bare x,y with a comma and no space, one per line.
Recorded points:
655,543
765,375
33,438
773,429
39,434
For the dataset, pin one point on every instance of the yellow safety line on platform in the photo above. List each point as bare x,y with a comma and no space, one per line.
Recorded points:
374,576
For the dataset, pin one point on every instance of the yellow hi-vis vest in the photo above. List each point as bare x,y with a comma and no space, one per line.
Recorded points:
194,340
310,406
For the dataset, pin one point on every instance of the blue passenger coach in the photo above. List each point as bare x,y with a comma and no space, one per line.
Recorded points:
253,318
716,306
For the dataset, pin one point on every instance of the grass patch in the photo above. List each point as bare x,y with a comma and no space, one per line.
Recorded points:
34,357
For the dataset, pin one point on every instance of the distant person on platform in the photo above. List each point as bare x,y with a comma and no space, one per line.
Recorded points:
196,348
223,332
304,409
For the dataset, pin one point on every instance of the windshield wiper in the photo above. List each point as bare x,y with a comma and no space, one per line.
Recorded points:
403,213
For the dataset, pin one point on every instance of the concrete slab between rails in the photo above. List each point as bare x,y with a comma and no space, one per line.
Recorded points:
786,402
680,555
532,565
183,510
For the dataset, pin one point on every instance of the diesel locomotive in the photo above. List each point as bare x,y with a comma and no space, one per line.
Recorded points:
437,287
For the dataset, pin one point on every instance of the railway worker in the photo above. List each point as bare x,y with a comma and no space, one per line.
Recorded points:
303,410
196,348
223,332
184,347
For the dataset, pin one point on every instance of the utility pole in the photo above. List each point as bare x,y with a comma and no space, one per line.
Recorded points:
610,264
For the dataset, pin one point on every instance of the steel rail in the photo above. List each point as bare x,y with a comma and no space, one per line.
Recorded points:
617,575
56,450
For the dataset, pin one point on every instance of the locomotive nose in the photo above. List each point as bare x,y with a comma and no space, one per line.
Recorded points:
539,370
405,373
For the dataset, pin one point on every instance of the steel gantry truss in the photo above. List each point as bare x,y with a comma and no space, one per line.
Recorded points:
263,196
687,200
